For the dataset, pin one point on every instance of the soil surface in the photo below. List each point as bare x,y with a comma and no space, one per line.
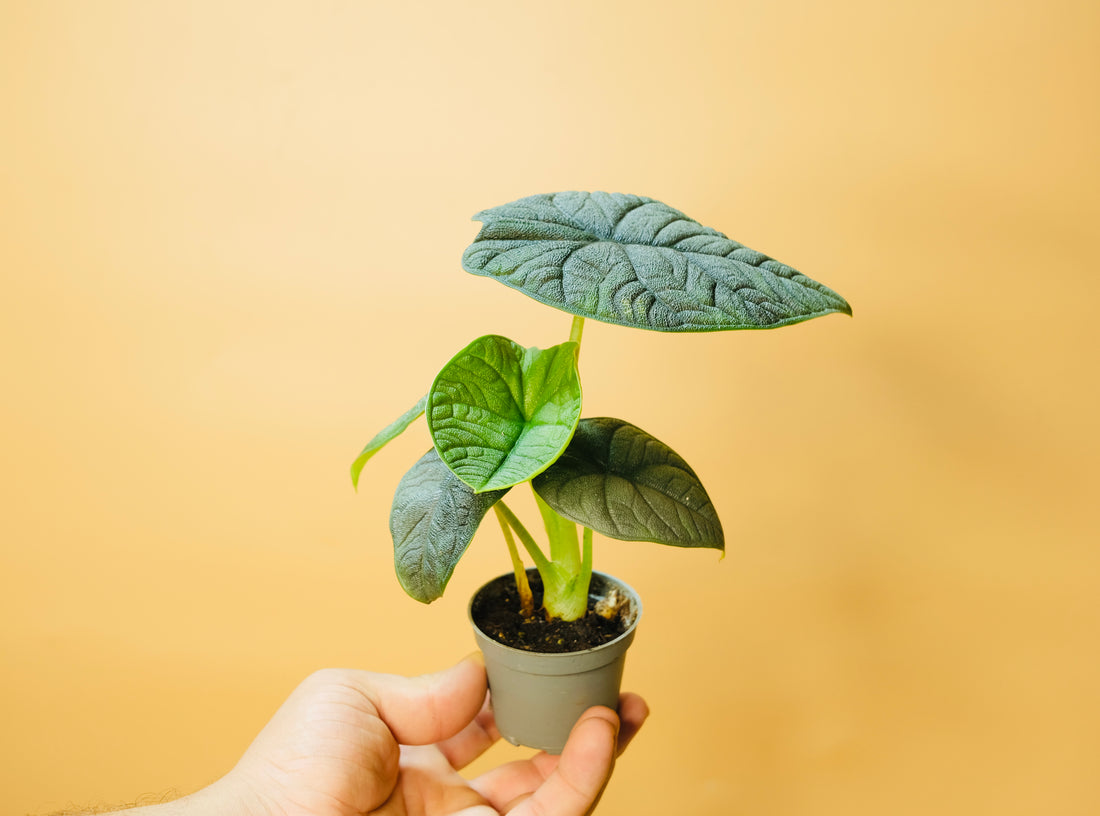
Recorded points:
497,614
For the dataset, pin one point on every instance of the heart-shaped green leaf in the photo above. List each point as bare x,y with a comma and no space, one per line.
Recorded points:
391,431
433,518
500,414
618,480
637,262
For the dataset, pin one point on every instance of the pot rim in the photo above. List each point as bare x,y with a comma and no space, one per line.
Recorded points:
636,608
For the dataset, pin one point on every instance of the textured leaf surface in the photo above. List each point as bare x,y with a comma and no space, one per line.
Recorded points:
634,261
391,431
622,482
499,413
433,518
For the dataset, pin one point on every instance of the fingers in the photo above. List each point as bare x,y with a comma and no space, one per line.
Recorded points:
633,712
430,708
583,769
568,785
473,740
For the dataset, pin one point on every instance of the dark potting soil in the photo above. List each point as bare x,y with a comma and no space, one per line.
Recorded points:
498,615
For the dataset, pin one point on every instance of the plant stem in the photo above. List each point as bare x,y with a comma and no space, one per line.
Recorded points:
586,560
542,563
526,599
565,582
565,549
575,332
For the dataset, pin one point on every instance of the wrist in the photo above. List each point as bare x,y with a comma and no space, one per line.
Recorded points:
226,797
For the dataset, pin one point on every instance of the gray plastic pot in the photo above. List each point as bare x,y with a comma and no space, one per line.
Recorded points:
538,697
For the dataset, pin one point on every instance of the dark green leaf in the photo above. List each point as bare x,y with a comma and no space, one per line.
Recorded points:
500,413
391,431
624,483
637,262
433,518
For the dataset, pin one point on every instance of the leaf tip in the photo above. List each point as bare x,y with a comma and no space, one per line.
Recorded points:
357,469
418,590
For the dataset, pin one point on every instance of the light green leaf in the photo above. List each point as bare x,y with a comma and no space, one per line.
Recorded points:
637,262
433,518
618,480
391,431
500,414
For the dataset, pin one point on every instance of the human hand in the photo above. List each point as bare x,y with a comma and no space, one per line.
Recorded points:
352,742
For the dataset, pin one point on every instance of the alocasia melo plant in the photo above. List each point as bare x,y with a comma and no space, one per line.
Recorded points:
501,414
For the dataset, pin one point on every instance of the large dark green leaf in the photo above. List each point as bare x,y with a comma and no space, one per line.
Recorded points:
499,413
620,481
433,518
634,261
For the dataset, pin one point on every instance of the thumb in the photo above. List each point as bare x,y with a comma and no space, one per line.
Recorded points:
429,708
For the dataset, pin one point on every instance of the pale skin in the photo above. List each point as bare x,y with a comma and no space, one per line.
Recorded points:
349,742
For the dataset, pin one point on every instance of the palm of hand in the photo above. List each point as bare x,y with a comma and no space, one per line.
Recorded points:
348,743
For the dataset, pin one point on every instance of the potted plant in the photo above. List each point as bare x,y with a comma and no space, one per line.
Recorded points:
502,415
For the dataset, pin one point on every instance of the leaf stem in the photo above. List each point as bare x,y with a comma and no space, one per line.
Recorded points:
565,550
542,563
576,330
586,559
526,599
565,583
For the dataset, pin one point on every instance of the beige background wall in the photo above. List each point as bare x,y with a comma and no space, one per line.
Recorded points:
229,254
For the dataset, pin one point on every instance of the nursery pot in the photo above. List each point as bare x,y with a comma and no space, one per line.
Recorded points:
537,697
